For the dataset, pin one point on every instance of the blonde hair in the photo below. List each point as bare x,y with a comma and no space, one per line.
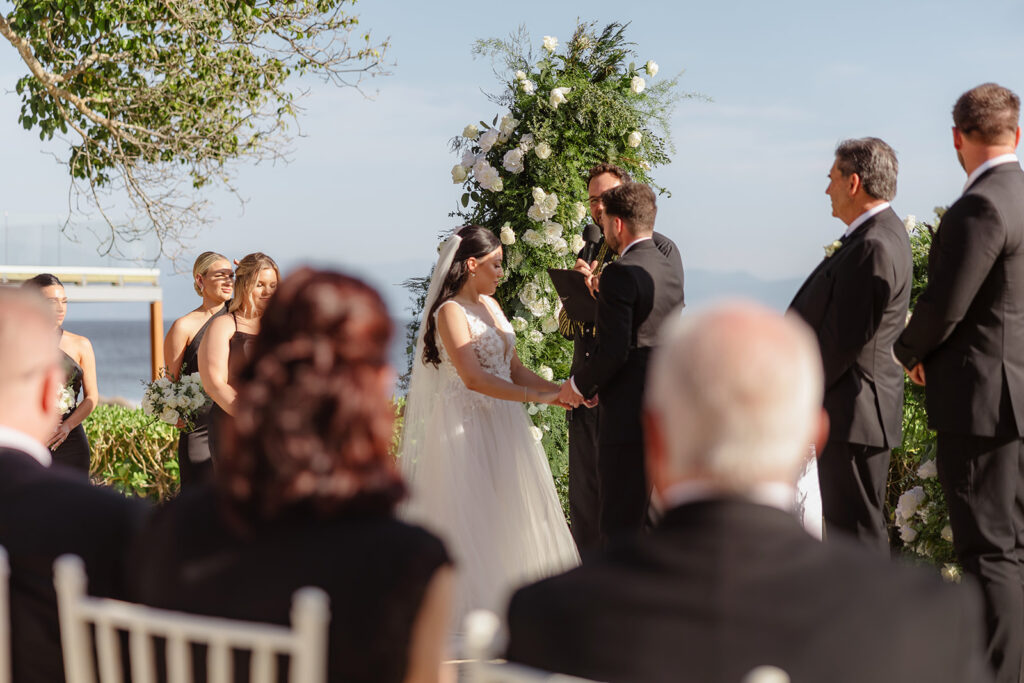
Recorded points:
203,264
246,275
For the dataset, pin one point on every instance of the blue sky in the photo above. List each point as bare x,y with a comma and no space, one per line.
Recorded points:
368,185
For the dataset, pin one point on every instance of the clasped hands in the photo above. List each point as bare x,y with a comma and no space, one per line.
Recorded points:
568,397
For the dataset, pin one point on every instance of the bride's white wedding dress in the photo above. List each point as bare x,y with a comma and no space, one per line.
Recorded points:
479,478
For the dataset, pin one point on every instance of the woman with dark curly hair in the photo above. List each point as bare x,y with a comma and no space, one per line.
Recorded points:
305,490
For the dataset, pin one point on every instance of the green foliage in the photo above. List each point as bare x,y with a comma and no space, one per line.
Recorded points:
524,175
133,452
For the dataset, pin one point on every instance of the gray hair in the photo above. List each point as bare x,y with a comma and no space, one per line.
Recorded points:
737,390
874,161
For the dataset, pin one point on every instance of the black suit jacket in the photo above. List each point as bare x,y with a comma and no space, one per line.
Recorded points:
721,587
856,302
968,324
44,513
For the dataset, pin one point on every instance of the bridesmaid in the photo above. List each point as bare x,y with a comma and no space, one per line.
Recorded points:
214,281
69,444
226,345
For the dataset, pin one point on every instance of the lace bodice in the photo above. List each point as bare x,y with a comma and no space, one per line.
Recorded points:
493,347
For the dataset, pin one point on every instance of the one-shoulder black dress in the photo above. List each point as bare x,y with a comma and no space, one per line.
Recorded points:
238,352
74,452
194,461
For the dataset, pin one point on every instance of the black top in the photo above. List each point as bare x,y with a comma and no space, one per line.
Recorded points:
190,364
375,569
72,378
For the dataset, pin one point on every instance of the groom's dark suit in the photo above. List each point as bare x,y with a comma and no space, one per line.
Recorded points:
856,302
44,513
968,330
723,586
637,293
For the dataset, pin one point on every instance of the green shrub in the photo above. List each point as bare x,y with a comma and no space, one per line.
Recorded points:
132,452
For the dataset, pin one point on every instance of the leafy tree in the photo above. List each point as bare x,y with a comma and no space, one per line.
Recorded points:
161,97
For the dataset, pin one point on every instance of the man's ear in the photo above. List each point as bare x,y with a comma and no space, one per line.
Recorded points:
854,184
1016,139
51,383
958,138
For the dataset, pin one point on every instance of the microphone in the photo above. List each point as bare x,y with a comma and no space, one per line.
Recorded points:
592,237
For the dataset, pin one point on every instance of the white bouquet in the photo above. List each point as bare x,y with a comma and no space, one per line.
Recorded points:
66,399
172,402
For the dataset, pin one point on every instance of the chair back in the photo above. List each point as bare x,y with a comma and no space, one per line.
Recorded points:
305,641
5,618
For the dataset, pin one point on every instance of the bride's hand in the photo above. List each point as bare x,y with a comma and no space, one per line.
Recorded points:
548,397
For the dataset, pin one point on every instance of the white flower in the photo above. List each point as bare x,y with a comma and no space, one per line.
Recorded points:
634,139
576,243
526,142
652,68
163,383
549,325
533,238
908,534
552,231
520,75
550,43
581,211
560,246
488,139
909,502
471,132
535,336
558,96
910,221
951,573
487,176
537,308
513,160
543,150
532,409
518,324
508,236
927,470
947,533
530,291
65,399
503,138
544,371
637,84
544,205
832,248
537,433
514,260
468,159
170,416
528,86
508,124
644,164
459,173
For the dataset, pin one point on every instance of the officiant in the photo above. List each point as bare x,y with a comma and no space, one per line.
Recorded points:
584,494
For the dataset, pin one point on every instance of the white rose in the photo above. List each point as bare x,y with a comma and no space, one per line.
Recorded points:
508,124
164,383
537,308
550,43
471,132
537,433
645,165
528,86
487,176
526,142
488,139
530,291
514,260
637,84
468,159
581,211
170,416
545,372
538,194
552,231
195,378
520,75
543,150
947,533
508,236
532,409
928,470
576,244
518,324
910,222
951,573
558,96
535,336
550,204
908,534
652,68
634,139
459,174
549,325
533,238
560,246
513,160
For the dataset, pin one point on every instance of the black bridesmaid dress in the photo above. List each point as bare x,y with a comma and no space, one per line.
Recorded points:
194,462
74,452
238,352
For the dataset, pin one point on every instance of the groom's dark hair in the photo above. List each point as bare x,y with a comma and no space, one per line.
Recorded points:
635,204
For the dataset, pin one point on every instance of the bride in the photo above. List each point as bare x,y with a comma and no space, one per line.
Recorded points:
478,477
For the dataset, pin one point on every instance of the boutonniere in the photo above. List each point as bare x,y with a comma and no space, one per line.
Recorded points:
832,248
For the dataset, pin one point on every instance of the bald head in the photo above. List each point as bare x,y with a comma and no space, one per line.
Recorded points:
30,373
734,394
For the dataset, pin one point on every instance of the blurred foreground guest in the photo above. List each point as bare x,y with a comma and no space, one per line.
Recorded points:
213,280
46,511
225,347
68,442
730,580
305,491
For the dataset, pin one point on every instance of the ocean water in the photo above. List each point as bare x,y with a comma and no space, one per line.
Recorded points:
122,353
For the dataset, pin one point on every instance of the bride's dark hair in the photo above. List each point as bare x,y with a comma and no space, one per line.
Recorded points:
477,242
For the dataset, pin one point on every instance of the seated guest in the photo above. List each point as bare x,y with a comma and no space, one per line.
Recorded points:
304,494
729,580
46,511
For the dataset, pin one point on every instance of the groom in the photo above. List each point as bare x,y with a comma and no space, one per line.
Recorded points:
637,293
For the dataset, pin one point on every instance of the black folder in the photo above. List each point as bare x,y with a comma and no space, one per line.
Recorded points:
572,289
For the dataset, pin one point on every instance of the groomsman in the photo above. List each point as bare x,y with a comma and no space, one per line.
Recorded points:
966,339
584,498
637,292
856,302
